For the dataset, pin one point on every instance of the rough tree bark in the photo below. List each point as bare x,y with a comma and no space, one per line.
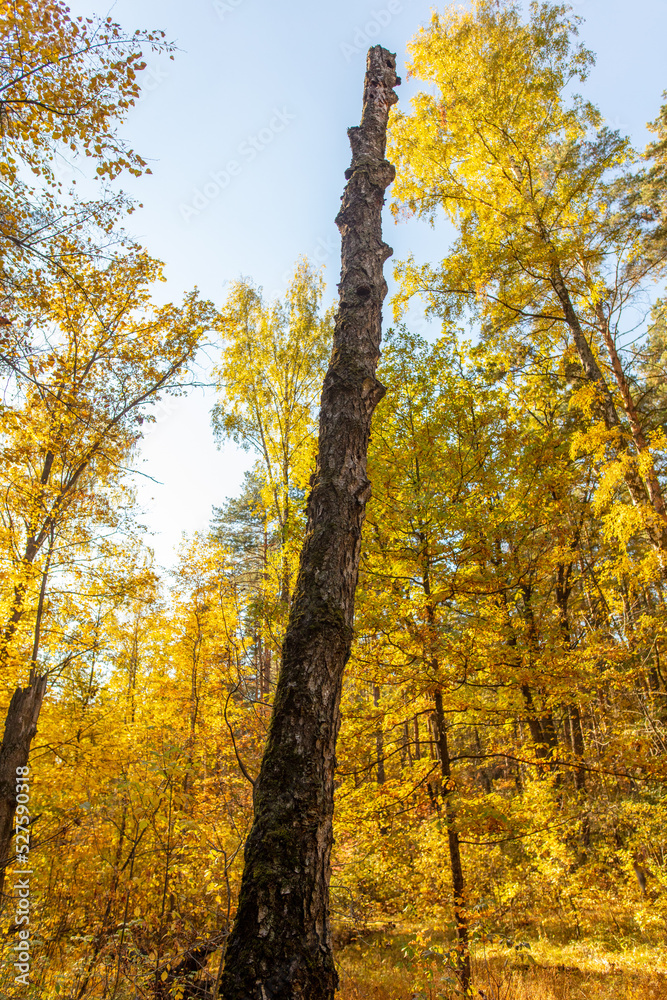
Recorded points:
280,945
20,728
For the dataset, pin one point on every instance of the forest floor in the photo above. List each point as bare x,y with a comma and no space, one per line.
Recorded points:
386,965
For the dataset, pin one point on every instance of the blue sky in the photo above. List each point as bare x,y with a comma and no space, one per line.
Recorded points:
245,132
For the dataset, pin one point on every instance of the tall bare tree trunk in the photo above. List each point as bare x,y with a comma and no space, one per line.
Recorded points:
280,945
20,728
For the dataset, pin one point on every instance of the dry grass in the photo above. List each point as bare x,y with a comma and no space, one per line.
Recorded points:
377,969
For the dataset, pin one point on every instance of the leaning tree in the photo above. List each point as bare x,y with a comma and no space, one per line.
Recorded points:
280,945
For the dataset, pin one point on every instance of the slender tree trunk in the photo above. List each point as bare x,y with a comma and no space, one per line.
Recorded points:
546,722
484,776
284,570
652,483
534,724
406,753
280,946
541,733
265,652
592,370
20,728
379,740
578,746
563,591
35,540
642,493
432,786
458,883
441,748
